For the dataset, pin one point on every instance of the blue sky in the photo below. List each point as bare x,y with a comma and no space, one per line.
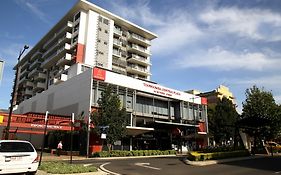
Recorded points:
201,44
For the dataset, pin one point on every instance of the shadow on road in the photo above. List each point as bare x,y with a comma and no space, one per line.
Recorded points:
265,163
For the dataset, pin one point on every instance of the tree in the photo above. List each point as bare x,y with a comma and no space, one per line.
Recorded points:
260,114
222,119
110,117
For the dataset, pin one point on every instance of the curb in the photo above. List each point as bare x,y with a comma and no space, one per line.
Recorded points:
213,162
99,172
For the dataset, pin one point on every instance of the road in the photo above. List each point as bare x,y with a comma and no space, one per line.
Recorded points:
175,166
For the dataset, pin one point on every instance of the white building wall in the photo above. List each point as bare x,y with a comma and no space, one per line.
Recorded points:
72,96
91,38
82,27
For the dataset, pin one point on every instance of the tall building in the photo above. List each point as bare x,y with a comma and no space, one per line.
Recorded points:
91,48
86,36
215,95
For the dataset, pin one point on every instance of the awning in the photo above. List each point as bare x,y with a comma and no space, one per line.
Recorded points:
176,124
134,131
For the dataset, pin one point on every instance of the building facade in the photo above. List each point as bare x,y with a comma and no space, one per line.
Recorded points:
91,48
90,36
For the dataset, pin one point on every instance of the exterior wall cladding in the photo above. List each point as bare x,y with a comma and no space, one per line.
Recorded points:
94,46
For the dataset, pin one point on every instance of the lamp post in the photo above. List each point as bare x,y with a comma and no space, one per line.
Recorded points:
13,94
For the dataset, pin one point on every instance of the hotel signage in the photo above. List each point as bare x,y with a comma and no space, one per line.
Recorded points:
144,86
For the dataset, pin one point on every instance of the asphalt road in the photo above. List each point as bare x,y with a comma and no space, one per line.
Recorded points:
175,166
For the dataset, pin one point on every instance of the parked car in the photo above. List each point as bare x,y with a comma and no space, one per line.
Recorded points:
274,145
18,156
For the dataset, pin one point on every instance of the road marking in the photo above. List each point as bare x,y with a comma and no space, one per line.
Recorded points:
146,165
277,172
107,171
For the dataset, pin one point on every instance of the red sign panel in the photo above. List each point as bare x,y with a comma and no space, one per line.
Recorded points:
202,127
99,74
204,101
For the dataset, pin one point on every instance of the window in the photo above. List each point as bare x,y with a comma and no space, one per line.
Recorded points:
15,147
99,29
105,31
105,43
75,39
100,19
98,40
77,16
76,27
105,21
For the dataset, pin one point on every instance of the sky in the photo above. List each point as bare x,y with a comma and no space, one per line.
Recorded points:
201,43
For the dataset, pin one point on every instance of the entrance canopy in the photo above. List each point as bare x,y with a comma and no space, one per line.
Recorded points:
134,131
176,124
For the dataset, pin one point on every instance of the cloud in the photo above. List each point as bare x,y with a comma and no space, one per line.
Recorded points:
174,28
217,58
10,52
253,23
33,8
266,81
271,83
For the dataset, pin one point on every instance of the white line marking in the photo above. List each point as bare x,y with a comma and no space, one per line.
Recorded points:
277,172
107,171
146,165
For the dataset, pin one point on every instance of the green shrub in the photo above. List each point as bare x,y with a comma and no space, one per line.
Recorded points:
196,156
118,153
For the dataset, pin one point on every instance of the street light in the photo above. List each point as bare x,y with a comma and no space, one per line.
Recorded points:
13,94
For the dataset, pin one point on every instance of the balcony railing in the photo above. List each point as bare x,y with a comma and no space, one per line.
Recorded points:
68,25
117,42
138,59
138,70
138,39
117,31
116,53
139,50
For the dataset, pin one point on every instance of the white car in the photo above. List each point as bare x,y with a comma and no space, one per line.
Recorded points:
18,156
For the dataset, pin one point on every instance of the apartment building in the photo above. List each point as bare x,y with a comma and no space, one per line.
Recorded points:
91,48
215,95
86,36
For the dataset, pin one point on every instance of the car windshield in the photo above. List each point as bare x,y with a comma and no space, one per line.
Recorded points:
15,147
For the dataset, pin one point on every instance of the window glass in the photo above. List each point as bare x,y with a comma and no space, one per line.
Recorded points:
15,147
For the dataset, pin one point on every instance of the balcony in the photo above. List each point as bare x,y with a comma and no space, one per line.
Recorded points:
135,38
117,32
28,92
138,50
52,59
60,78
67,28
134,69
137,59
35,72
22,79
40,76
28,84
35,64
25,65
117,43
64,60
116,53
35,55
39,86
